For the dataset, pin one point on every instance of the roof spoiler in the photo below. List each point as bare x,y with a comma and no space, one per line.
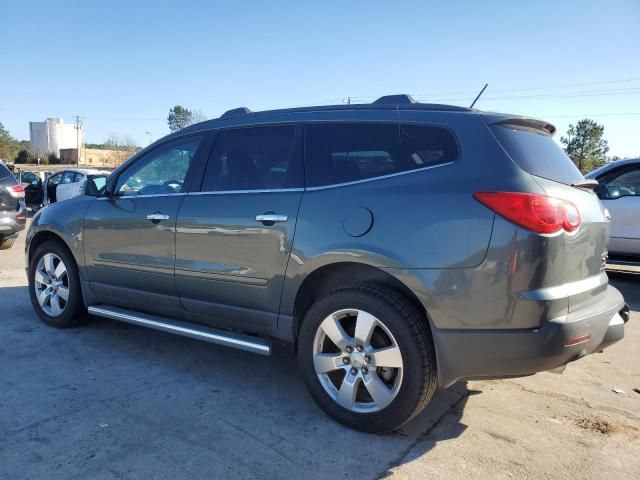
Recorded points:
523,122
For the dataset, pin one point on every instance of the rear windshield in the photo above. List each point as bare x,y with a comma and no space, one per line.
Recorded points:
535,152
6,177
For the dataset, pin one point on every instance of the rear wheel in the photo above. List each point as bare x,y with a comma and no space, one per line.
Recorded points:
6,242
367,357
54,286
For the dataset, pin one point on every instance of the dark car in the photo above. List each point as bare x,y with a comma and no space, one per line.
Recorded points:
13,213
398,245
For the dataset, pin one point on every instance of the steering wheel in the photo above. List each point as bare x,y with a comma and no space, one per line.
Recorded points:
174,185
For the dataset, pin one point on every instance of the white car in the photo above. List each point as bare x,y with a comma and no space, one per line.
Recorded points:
619,191
63,185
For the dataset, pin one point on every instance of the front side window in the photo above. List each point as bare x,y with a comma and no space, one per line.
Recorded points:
254,158
340,153
621,183
161,171
55,179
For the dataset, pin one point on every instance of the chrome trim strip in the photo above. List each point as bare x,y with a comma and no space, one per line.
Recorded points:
372,179
226,192
567,290
131,197
218,337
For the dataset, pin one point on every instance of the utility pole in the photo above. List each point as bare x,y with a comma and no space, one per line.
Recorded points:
149,133
77,140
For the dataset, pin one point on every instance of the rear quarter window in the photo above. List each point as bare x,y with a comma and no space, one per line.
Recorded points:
344,152
535,152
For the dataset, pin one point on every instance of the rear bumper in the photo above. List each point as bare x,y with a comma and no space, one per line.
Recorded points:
12,222
465,354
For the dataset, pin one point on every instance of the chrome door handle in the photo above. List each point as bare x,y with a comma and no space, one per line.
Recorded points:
156,217
271,218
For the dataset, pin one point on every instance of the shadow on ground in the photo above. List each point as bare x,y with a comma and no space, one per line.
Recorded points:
111,400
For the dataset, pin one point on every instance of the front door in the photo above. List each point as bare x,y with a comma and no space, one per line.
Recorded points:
129,235
234,237
620,194
32,188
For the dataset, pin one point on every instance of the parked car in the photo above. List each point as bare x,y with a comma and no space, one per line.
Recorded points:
619,191
57,187
13,213
398,245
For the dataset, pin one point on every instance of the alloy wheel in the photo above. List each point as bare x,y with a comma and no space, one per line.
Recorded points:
51,284
357,360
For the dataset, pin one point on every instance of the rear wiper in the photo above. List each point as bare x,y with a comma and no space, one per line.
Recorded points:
586,183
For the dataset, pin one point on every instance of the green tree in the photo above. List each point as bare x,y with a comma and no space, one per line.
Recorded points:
585,145
52,159
7,144
23,156
179,117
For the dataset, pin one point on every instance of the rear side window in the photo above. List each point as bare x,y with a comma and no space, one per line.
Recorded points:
534,151
254,158
340,153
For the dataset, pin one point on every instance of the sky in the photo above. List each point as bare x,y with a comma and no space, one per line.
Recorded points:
121,65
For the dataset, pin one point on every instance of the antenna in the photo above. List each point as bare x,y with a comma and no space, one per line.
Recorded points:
481,92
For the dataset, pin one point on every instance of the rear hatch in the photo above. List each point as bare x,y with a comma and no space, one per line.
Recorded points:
530,145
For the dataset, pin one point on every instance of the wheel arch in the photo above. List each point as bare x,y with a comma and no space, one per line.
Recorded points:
328,277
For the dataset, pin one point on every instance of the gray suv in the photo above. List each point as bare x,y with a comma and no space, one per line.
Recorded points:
398,245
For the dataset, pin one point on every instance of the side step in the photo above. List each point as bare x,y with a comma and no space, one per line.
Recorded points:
219,337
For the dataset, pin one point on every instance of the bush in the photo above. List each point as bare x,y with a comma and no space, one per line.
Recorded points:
53,159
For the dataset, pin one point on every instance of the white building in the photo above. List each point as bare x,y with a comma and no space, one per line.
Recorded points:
52,135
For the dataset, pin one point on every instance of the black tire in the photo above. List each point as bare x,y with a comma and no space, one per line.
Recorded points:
412,333
7,242
74,313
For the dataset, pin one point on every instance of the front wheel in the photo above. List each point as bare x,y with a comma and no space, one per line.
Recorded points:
367,357
54,286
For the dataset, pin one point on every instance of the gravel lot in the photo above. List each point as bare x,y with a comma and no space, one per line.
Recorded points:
115,401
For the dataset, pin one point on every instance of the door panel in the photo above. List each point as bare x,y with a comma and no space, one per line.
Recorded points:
230,265
224,257
125,251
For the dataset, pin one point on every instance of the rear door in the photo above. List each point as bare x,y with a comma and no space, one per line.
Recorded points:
234,237
130,235
619,191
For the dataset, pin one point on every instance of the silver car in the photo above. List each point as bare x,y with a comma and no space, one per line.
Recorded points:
619,191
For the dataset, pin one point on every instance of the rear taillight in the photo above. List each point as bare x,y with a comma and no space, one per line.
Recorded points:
16,191
538,213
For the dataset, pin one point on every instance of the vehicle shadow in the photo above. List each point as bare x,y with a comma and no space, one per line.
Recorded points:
627,283
162,406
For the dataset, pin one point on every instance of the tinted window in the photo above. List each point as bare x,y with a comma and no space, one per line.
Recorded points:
620,183
78,177
253,159
161,171
338,153
535,152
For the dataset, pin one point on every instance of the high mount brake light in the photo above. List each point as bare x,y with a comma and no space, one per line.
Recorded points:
538,213
16,191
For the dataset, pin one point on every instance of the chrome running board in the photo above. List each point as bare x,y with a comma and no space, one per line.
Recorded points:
199,332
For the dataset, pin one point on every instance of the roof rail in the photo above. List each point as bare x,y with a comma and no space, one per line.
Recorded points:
234,112
402,99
